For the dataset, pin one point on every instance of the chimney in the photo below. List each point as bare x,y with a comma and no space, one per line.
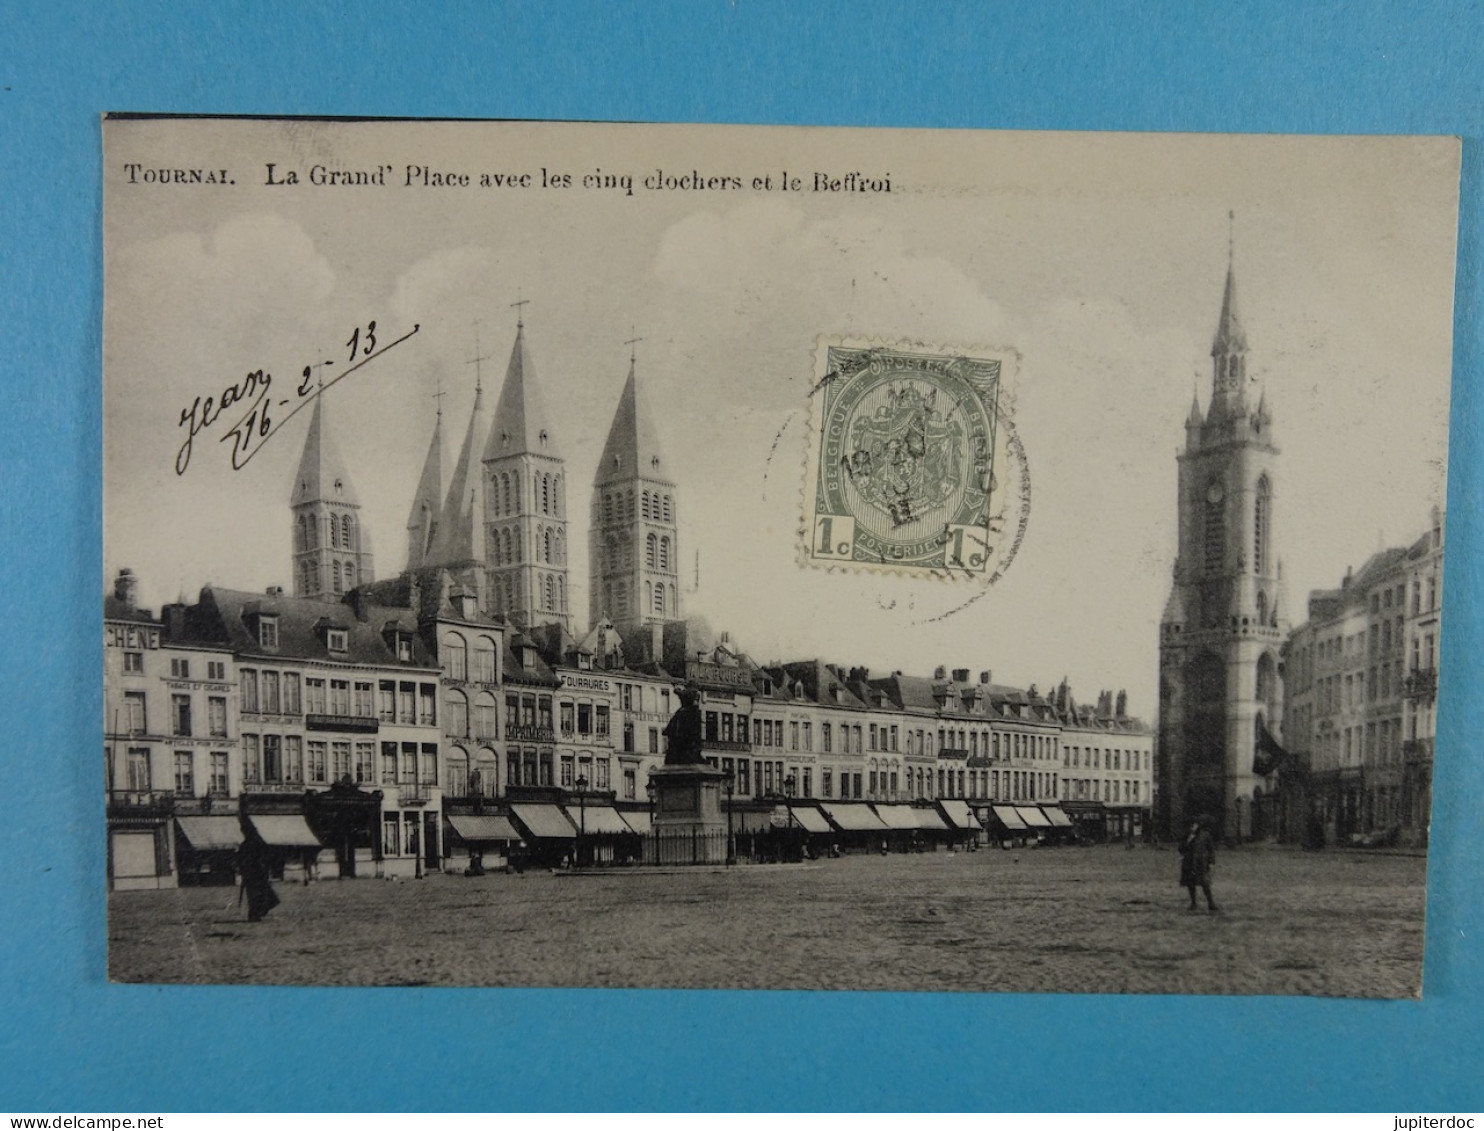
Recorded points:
960,675
126,589
940,672
174,617
984,676
1349,573
468,605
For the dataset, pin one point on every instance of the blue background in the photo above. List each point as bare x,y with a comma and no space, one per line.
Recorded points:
69,1041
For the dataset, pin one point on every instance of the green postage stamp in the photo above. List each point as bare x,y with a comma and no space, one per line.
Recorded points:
912,461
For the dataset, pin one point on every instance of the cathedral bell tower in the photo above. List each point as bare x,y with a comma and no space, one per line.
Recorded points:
525,503
332,551
634,549
1224,623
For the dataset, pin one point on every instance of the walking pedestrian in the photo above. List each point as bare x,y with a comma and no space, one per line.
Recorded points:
1197,855
257,879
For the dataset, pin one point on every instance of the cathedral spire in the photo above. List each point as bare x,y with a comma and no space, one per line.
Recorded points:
422,520
521,425
455,542
1230,337
633,447
321,470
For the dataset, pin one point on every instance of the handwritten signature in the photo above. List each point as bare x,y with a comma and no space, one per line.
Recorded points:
257,425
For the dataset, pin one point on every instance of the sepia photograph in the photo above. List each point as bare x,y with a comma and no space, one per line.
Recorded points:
692,556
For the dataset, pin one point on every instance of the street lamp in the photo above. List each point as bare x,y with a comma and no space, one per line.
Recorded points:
789,784
581,784
653,836
731,840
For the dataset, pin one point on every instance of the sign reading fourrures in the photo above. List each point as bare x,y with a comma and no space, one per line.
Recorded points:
904,460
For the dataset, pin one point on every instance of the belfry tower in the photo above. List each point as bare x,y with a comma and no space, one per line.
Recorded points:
332,551
634,551
1224,623
525,503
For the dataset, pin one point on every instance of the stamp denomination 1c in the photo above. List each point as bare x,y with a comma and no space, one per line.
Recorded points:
905,454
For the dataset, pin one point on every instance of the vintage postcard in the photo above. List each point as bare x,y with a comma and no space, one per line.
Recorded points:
544,554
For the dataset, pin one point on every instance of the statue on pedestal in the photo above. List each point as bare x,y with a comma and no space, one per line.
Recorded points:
684,730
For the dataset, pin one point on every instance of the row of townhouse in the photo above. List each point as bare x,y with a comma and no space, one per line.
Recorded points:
1360,681
399,730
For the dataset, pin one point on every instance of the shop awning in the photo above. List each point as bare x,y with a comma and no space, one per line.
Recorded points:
930,820
211,834
284,830
957,810
1007,816
597,820
855,818
481,828
1033,817
639,822
1058,819
810,819
898,817
544,822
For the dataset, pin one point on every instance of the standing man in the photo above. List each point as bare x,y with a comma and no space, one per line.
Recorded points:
1197,855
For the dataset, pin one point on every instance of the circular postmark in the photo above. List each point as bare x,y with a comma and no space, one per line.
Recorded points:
914,465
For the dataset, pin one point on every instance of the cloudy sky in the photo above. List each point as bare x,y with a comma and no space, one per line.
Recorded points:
1098,259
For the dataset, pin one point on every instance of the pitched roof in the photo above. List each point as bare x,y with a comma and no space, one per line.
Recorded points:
458,522
520,424
322,473
226,616
633,444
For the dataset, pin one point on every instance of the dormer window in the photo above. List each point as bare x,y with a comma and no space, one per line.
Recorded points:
404,649
337,640
268,632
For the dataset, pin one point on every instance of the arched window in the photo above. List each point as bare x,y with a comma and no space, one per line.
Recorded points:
561,547
607,506
665,553
650,544
334,533
497,595
644,505
488,765
507,554
668,512
1260,519
345,541
1262,609
505,494
485,716
456,713
455,656
550,592
1215,528
484,660
674,604
628,506
335,577
557,500
301,536
456,772
648,596
561,582
350,575
546,494
659,599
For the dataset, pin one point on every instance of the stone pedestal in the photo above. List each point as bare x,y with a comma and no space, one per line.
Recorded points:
689,824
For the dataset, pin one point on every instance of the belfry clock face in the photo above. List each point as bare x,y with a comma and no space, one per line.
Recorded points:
1214,493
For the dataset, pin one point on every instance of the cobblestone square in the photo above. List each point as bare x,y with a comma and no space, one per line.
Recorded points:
1090,920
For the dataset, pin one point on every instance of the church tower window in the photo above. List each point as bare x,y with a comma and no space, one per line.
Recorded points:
650,544
1261,517
1215,528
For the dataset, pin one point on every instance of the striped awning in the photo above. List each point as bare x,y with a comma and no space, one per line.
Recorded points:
855,818
597,820
958,812
211,834
480,828
1057,817
544,822
898,816
284,830
1033,817
810,819
1009,817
